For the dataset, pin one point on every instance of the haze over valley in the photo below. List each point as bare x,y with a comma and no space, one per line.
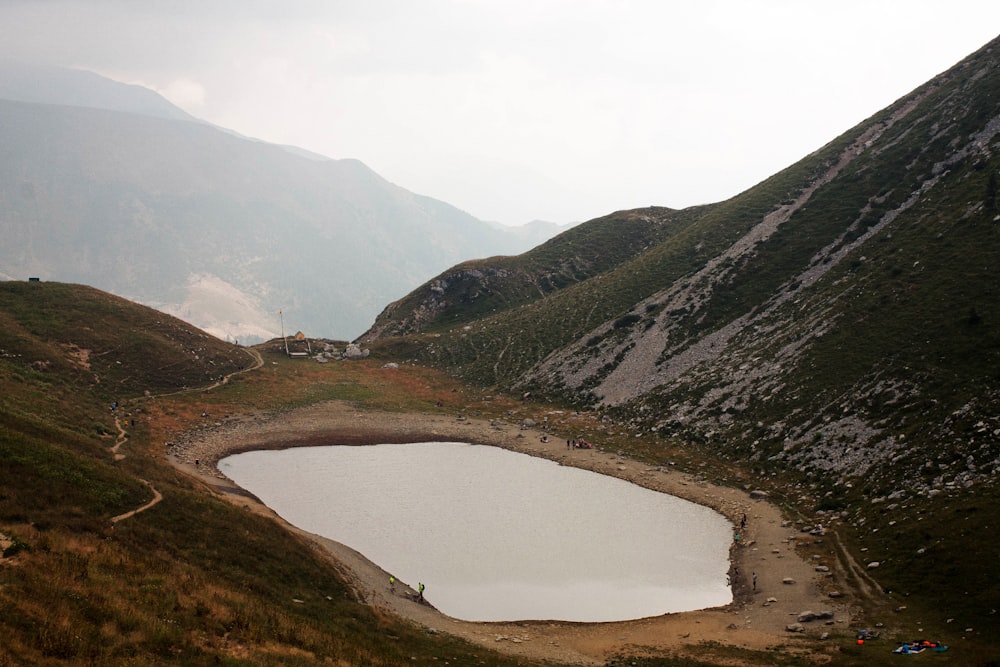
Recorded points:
110,185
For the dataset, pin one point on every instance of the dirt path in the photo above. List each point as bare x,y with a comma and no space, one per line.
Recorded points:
122,437
757,619
258,361
157,497
120,440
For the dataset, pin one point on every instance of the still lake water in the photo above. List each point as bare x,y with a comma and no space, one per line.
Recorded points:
496,535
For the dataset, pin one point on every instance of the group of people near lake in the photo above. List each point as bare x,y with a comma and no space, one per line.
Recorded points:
578,443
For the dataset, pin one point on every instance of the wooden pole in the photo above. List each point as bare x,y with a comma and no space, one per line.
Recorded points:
281,315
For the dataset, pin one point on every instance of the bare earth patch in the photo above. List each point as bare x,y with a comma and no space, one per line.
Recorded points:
756,620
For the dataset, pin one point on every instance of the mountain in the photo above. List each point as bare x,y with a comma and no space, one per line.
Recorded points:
109,185
92,386
38,84
837,326
478,288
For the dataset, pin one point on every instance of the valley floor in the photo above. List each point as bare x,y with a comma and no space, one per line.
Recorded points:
769,546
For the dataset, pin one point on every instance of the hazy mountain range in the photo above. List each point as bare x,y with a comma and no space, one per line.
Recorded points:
110,185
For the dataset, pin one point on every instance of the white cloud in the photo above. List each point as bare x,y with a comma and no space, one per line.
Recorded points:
185,93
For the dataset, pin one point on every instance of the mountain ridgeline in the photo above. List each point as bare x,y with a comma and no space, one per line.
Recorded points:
839,320
112,186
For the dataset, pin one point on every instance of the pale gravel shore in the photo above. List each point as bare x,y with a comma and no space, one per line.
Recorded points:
767,546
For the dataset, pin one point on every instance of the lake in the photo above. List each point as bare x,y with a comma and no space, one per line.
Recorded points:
495,535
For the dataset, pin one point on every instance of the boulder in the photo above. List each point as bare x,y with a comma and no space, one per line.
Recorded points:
354,351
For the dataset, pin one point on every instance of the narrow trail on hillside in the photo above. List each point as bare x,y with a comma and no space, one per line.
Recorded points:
120,440
855,576
123,434
157,497
258,361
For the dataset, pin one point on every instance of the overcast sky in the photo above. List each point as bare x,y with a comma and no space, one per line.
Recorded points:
559,110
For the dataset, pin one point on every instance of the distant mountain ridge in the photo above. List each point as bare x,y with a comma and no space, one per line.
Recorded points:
38,84
118,189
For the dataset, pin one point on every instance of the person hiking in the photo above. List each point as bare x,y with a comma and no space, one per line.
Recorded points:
392,584
420,592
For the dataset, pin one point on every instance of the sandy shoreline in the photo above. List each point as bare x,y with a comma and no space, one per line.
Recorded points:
755,620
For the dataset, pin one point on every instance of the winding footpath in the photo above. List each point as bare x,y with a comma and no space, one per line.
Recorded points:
123,434
157,497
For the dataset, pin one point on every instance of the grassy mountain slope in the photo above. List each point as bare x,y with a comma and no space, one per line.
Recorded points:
834,327
193,580
59,327
479,288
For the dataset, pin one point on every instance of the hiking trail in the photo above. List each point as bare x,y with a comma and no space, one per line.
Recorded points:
123,434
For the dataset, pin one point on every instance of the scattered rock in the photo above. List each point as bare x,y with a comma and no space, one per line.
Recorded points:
807,616
835,594
354,351
788,581
757,494
795,627
874,564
